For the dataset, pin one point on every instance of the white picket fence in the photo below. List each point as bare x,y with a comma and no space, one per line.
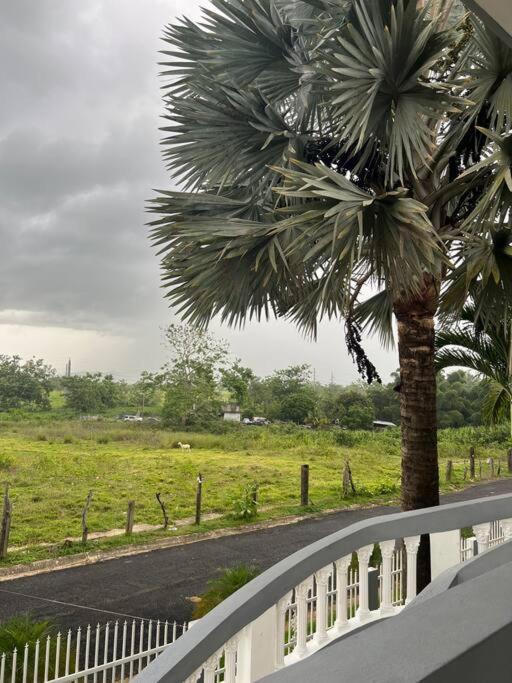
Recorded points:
102,654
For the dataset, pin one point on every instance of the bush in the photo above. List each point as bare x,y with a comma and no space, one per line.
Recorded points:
6,462
19,631
246,506
223,586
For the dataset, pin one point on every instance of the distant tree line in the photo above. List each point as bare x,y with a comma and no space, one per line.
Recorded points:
200,376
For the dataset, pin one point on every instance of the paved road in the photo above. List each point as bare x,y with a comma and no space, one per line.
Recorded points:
156,585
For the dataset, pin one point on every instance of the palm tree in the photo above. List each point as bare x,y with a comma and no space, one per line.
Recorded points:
328,146
485,349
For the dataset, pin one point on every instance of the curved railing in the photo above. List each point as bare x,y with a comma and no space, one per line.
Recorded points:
307,600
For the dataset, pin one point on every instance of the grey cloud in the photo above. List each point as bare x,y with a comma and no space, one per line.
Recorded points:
79,155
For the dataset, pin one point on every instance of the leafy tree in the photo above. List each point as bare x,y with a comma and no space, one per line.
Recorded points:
25,384
386,400
191,376
237,380
351,407
93,392
367,146
488,351
144,392
292,394
296,407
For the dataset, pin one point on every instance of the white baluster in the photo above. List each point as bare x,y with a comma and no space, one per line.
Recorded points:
68,653
230,660
506,525
123,648
341,593
57,655
412,543
210,668
36,662
2,668
482,534
387,549
363,555
14,664
281,609
25,663
322,581
46,659
77,650
105,650
301,597
114,651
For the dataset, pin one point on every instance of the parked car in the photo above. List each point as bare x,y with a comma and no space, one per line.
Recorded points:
131,418
256,421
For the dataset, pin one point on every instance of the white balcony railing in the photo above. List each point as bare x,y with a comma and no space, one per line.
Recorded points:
361,574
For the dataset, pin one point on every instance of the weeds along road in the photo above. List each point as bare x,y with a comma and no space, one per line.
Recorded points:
157,585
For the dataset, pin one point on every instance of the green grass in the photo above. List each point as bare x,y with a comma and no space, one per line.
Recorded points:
50,466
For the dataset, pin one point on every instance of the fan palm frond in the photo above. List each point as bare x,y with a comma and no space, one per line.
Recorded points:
218,125
489,76
375,316
380,87
344,223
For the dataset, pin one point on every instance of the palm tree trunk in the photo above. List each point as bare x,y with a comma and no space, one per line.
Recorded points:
510,375
420,472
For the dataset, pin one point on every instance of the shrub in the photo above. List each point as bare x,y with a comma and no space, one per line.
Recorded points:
223,586
6,462
19,631
246,506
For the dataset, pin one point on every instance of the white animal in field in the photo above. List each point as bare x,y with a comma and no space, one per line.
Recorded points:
184,446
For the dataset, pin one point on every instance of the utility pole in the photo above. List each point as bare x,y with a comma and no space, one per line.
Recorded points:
68,368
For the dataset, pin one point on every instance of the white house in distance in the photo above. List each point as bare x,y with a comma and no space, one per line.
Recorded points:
231,412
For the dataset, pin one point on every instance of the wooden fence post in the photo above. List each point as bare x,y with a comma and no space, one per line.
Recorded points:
490,462
6,524
471,463
304,485
509,460
348,487
199,494
85,529
164,511
449,471
130,515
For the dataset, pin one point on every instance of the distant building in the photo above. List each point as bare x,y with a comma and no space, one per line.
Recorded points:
231,412
380,425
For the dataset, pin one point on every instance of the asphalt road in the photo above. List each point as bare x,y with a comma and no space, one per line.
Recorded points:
156,585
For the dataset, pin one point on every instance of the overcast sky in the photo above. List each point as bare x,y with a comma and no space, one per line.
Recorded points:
79,155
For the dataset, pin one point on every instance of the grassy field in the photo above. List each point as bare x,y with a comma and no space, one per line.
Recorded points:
51,465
